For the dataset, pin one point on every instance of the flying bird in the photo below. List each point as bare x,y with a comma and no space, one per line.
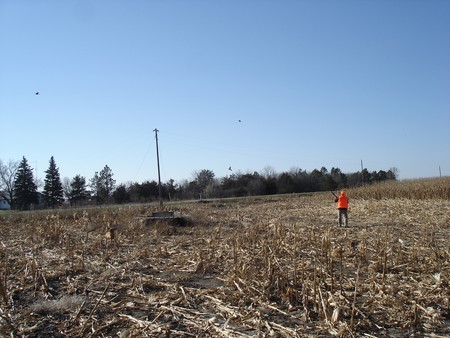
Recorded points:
37,93
239,121
229,168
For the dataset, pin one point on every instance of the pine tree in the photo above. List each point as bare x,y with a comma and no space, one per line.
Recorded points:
25,190
53,190
96,186
78,190
103,185
108,183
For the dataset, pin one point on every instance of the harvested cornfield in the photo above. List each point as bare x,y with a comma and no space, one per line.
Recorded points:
432,188
257,267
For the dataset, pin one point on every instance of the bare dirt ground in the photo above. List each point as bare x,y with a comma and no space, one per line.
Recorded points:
260,267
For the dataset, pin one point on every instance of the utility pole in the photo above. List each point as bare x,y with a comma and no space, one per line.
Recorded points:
159,173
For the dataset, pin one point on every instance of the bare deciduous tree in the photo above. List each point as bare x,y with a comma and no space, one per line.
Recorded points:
67,189
7,176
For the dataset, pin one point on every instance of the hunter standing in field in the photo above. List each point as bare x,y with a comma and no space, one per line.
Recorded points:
342,205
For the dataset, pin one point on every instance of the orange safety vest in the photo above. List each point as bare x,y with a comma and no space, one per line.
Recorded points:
342,201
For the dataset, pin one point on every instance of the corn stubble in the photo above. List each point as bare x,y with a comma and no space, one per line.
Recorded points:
262,267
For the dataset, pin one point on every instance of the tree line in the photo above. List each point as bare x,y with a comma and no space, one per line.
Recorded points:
269,182
19,187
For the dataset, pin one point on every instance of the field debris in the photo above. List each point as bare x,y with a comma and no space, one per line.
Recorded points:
261,267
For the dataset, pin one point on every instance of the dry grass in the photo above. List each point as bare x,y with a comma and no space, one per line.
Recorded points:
270,266
433,188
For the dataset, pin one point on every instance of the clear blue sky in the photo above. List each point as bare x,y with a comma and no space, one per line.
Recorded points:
314,83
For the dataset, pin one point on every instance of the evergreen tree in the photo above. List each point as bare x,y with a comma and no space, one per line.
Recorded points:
121,195
78,190
103,184
95,185
108,183
53,190
25,190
